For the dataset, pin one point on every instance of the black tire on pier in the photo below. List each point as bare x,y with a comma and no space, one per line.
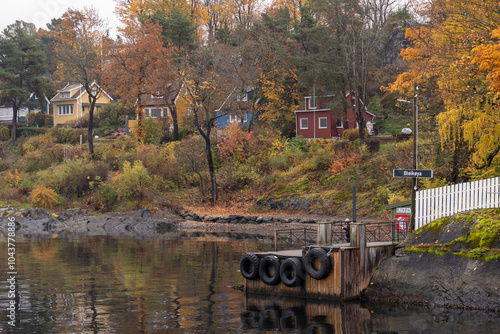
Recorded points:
317,263
249,266
269,270
292,272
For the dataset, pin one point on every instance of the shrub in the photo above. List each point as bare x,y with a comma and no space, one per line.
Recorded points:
133,183
297,144
69,135
34,161
13,180
373,145
43,197
350,134
39,119
38,142
237,144
4,133
344,158
103,196
152,131
30,131
74,177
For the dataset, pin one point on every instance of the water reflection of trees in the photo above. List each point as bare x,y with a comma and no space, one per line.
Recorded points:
100,284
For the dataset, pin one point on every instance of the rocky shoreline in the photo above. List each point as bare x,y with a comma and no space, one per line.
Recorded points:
143,222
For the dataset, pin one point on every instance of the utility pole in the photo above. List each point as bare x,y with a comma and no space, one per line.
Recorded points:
415,154
415,158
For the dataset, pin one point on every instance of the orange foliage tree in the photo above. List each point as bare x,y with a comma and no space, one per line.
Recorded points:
139,65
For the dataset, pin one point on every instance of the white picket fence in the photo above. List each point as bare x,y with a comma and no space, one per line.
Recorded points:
432,204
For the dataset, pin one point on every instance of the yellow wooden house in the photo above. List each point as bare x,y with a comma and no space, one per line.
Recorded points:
72,103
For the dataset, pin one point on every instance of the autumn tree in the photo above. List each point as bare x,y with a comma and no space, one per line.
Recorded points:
22,64
208,81
354,32
79,50
450,53
179,38
139,65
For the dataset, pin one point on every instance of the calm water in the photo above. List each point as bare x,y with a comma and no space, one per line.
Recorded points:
182,284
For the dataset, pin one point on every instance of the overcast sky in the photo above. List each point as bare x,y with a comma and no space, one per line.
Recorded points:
40,12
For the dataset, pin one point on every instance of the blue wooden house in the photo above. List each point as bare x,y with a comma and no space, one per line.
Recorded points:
238,108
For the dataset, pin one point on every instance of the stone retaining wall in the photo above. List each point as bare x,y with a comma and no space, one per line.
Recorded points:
238,219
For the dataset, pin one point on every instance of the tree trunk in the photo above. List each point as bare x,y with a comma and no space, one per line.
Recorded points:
14,122
173,112
211,167
91,126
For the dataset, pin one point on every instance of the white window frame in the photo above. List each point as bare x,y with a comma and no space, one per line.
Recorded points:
319,123
306,125
65,109
65,95
237,118
311,103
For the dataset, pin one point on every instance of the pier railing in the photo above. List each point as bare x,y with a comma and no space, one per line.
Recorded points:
375,232
294,238
385,232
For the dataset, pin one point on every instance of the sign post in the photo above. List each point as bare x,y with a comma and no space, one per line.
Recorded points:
414,174
421,173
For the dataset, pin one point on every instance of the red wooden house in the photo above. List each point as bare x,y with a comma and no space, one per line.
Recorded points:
315,119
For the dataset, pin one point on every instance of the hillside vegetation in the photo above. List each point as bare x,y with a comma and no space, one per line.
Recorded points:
258,170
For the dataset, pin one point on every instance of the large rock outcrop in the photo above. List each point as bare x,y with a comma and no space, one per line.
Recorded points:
447,264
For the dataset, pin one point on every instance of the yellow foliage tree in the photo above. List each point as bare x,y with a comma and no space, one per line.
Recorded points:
449,52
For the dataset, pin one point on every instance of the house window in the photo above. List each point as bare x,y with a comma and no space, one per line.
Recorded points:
338,124
310,103
65,95
238,118
322,123
304,123
155,113
65,109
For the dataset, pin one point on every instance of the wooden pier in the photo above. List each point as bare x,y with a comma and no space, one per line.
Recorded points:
352,266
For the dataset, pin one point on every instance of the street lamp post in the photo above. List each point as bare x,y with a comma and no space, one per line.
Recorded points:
415,155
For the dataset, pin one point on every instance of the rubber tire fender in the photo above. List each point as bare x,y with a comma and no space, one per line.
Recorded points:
292,272
270,264
293,319
319,329
250,320
309,261
249,266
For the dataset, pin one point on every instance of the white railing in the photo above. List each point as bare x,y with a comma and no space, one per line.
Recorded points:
432,204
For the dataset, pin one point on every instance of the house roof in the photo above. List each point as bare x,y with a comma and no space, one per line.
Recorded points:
235,104
173,92
321,104
78,93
